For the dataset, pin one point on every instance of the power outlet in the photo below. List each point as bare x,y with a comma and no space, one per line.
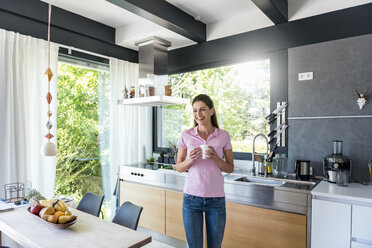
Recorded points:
305,76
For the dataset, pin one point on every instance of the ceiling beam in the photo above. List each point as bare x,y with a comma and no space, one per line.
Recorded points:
30,17
259,43
166,15
276,10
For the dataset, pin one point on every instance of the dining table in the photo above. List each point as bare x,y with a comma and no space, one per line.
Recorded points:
31,231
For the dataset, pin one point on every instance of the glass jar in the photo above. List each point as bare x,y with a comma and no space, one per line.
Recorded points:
342,177
168,90
142,91
132,91
150,90
280,165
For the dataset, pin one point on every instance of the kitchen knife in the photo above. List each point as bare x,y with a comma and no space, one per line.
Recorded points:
276,129
278,133
277,111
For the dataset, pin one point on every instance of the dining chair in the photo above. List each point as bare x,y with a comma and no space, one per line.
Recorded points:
91,204
128,215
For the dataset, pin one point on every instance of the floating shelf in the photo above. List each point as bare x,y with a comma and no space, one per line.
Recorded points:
154,101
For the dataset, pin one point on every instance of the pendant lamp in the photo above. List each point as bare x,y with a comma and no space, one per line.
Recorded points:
49,148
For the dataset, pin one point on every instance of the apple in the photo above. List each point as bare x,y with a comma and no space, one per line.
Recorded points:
42,211
36,209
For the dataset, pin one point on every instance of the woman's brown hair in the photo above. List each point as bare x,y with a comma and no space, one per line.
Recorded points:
207,101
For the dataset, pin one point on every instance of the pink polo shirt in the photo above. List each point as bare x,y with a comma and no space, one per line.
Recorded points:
204,178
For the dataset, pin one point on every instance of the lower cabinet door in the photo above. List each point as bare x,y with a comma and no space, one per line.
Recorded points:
330,225
255,227
151,199
173,215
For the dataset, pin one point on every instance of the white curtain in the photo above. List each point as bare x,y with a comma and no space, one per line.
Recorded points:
23,107
131,126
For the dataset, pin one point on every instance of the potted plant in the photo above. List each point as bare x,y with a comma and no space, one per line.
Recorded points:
174,148
161,158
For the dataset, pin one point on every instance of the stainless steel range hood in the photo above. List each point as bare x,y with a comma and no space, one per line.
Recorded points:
153,56
153,63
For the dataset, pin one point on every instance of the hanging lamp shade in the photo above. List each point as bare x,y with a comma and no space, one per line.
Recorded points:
49,148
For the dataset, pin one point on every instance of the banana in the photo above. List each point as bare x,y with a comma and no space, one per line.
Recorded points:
58,205
46,203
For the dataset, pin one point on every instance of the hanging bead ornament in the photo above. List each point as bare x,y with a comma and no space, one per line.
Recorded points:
49,148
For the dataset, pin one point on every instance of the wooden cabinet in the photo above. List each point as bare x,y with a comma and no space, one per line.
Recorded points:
246,226
173,215
151,199
254,227
331,224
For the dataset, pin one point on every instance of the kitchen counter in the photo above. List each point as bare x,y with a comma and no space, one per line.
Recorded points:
268,192
354,192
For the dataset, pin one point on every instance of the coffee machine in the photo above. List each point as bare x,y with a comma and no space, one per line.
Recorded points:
335,162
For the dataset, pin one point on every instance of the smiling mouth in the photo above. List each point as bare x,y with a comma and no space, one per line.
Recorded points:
199,118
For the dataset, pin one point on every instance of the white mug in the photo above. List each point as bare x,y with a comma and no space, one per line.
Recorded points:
204,149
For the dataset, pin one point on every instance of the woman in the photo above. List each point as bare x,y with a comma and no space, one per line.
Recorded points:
204,188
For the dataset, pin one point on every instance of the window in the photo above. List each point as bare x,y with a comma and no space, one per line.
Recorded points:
82,128
241,94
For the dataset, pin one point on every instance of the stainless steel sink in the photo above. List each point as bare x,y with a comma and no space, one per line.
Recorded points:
263,181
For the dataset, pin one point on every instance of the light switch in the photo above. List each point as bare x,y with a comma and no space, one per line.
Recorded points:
305,76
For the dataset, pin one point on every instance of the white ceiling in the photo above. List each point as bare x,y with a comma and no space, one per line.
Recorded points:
223,18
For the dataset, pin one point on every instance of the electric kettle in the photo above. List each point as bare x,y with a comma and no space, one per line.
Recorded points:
302,169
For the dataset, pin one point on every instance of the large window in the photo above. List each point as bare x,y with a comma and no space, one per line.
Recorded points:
82,129
241,94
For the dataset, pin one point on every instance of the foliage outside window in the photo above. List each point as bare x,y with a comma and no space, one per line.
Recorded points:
241,94
79,162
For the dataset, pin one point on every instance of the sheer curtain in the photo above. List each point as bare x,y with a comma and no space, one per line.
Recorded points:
23,107
131,126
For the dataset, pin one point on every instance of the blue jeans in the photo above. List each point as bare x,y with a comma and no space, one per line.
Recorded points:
215,218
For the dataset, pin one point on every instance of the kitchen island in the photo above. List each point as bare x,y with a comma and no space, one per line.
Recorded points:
274,208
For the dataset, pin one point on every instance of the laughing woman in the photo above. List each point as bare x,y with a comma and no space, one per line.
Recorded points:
204,188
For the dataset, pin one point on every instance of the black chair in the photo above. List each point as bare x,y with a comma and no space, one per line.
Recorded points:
128,215
91,204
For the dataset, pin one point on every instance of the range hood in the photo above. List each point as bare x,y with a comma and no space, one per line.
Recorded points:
153,63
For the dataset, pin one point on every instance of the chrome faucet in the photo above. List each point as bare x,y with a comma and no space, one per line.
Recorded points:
253,152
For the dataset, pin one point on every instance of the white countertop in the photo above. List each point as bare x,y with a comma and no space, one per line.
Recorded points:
354,192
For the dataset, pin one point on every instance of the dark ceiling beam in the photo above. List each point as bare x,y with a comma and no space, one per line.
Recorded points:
38,11
166,15
256,44
29,17
276,10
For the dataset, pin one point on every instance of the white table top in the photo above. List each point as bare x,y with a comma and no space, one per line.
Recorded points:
88,231
354,192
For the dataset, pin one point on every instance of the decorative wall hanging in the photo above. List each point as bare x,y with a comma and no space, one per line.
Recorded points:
362,101
49,148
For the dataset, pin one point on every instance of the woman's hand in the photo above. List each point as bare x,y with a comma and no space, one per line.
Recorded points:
226,166
184,164
195,154
212,154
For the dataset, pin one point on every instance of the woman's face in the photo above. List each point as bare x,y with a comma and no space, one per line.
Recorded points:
202,113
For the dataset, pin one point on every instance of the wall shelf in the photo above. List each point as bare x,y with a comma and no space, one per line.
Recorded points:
154,101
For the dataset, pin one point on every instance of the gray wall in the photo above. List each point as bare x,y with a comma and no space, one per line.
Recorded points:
339,68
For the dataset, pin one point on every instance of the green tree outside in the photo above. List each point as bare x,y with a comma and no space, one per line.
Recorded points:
241,104
78,159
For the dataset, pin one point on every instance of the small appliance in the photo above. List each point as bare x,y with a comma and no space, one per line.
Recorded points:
302,169
336,162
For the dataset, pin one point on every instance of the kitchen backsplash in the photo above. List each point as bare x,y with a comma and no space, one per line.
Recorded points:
339,67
